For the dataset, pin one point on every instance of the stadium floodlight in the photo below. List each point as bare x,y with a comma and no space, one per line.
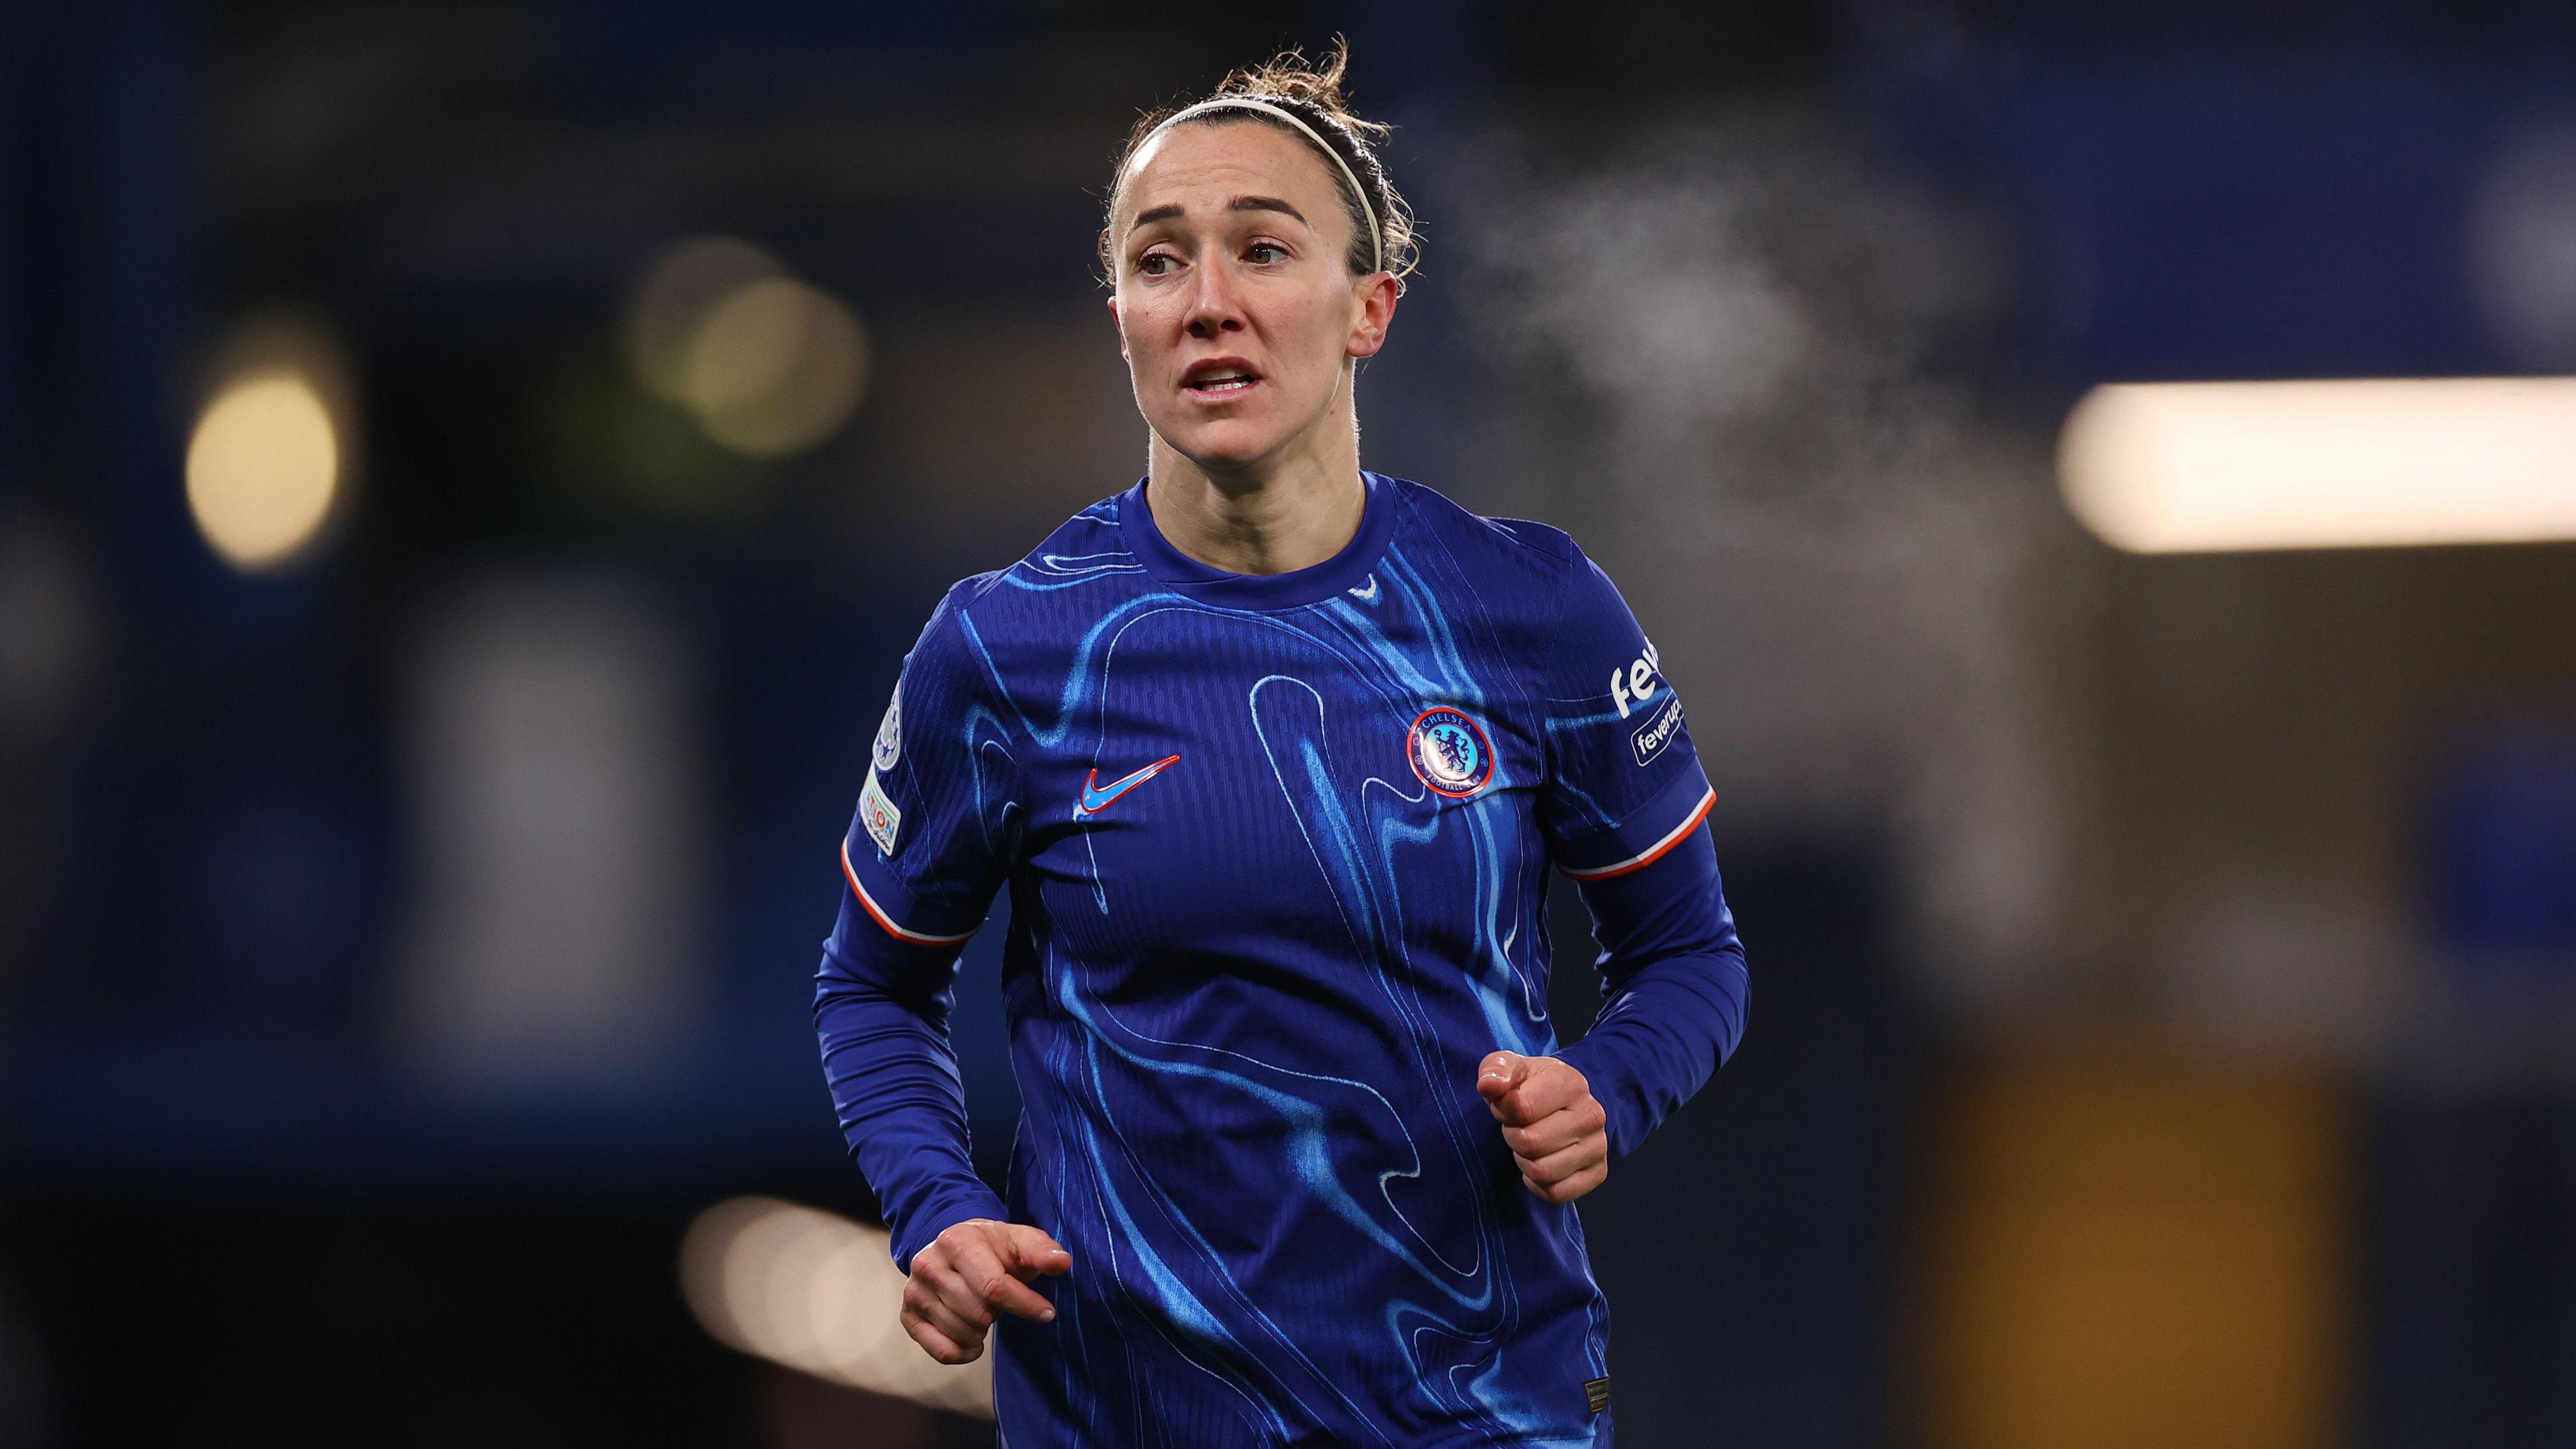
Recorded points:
2206,467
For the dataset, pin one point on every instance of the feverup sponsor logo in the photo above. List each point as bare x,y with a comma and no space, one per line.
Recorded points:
1636,682
877,813
1654,734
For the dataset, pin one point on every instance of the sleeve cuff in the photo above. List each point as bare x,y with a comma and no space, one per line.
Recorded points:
946,1212
1610,1089
1643,838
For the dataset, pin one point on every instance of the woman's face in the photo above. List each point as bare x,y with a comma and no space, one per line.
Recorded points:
1236,308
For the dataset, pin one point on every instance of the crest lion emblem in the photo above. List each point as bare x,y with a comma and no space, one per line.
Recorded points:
1450,752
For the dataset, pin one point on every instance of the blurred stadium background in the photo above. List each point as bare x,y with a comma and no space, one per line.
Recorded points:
469,473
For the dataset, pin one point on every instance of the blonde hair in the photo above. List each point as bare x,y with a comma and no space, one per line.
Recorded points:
1312,92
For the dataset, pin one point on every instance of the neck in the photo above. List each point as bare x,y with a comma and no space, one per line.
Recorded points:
1291,509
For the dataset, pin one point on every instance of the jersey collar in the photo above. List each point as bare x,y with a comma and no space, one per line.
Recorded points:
1345,570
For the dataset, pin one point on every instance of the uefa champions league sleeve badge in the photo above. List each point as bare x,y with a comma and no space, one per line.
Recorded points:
890,731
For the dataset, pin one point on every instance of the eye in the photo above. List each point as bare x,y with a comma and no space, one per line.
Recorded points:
1276,251
1154,264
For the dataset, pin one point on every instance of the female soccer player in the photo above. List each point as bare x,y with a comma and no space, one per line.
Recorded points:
1273,755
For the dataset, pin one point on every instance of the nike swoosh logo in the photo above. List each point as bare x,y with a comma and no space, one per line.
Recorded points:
1367,595
1096,796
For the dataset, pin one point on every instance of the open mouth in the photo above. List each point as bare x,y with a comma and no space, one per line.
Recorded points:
1219,378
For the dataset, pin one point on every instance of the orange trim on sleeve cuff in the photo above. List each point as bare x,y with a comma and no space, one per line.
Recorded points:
1640,861
917,938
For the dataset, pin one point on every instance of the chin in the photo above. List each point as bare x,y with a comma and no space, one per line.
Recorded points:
1226,443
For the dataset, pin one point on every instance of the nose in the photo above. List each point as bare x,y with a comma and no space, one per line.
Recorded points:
1215,304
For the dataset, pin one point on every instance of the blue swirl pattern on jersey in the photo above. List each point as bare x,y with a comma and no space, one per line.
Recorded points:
1249,989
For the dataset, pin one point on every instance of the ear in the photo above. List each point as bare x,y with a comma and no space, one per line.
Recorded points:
1119,322
1377,300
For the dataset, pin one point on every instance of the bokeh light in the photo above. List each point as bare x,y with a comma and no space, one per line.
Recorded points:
776,367
672,299
2522,248
819,1294
770,366
2212,467
263,467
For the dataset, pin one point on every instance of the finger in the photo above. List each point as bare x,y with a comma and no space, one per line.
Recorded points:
923,1305
1499,1073
1554,1131
1032,1251
950,1289
952,1320
1565,1162
1526,1103
939,1345
1570,1188
1551,1086
991,1280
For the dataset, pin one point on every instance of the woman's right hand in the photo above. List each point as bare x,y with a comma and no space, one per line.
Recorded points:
969,1274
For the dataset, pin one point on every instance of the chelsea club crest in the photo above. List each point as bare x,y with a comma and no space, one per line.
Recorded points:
1450,752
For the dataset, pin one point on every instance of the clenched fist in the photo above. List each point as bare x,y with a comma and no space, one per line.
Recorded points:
1559,1136
969,1273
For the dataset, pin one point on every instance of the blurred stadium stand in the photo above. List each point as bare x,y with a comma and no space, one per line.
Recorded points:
2164,968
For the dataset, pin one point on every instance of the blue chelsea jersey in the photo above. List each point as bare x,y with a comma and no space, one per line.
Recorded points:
1276,850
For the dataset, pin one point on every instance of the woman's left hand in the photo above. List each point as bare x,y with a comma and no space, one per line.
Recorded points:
1559,1135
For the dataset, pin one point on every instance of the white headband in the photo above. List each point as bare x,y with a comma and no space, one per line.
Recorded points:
1377,241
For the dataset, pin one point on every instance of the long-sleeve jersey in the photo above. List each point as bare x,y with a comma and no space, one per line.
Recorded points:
1276,850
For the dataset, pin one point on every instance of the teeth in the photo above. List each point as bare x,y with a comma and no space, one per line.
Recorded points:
1228,380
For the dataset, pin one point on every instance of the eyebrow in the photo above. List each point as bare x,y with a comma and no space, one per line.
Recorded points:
1241,203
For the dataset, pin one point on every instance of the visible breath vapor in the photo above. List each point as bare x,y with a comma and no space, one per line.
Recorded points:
1736,349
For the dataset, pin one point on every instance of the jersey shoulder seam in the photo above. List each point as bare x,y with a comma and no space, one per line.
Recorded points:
1544,539
1538,537
974,587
